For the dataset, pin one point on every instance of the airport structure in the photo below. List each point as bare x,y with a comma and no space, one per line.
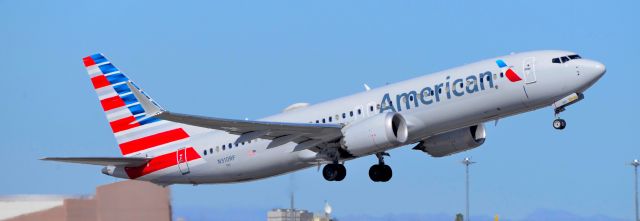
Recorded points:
293,214
127,200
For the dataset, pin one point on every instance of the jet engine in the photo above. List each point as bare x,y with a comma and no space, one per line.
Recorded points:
453,141
374,134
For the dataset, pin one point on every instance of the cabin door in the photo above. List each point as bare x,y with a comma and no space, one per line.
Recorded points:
183,164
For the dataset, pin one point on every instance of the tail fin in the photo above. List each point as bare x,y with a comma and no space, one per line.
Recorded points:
135,132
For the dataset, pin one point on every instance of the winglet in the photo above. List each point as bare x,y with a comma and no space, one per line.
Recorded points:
150,107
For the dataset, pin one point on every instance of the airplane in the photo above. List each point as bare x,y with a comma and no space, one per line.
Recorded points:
440,114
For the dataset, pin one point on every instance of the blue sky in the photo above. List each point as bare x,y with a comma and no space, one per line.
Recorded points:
251,59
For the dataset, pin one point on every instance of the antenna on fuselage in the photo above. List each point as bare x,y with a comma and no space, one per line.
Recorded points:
366,87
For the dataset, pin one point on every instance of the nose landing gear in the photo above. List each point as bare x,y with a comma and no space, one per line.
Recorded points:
560,105
559,124
380,172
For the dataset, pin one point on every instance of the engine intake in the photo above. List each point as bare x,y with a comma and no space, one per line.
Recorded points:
375,134
453,141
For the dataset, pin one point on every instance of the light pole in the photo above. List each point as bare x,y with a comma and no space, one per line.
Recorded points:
635,163
467,161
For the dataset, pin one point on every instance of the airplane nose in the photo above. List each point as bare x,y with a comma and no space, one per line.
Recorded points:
591,72
600,69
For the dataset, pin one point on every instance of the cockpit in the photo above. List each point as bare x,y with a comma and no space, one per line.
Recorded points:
564,59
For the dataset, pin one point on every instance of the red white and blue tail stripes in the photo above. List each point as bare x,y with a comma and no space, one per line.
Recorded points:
125,114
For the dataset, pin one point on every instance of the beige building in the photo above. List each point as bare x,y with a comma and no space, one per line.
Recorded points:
126,200
289,215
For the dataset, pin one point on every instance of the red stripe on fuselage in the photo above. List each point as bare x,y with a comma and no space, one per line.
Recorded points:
88,61
153,141
160,162
123,124
99,81
111,103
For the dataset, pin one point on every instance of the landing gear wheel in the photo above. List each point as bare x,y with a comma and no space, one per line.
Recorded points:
342,172
334,172
374,173
380,173
559,124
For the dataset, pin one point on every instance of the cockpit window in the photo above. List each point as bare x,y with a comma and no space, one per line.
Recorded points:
565,58
575,56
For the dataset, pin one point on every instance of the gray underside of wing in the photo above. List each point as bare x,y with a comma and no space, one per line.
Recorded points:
269,130
279,132
102,161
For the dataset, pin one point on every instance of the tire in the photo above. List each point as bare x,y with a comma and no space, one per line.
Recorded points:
330,172
387,173
341,172
559,124
374,173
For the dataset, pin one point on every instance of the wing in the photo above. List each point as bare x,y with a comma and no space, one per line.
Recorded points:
306,135
102,161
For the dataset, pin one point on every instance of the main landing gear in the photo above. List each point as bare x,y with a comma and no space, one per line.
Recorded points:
380,172
334,172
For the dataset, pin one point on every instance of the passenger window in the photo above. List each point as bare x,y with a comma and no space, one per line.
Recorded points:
371,108
501,75
439,90
556,60
230,146
205,152
224,147
565,59
359,112
317,121
330,119
410,97
344,115
211,150
351,113
323,120
377,106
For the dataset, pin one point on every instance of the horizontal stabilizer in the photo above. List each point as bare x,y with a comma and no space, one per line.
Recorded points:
102,161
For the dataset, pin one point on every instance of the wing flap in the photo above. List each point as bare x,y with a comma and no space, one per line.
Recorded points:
102,161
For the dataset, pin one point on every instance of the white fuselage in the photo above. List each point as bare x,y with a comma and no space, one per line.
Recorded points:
456,106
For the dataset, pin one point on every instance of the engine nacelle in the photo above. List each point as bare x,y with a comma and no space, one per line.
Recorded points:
375,134
453,141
